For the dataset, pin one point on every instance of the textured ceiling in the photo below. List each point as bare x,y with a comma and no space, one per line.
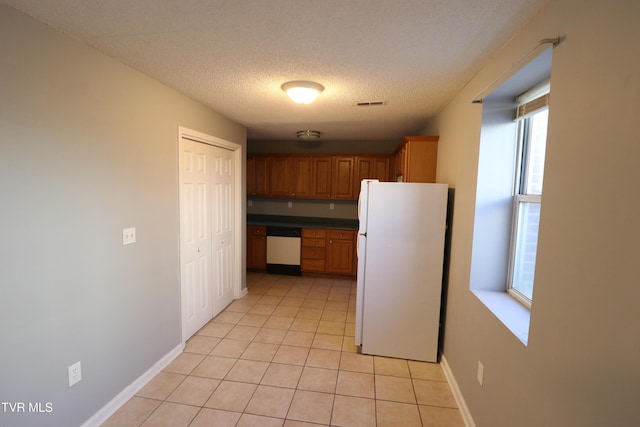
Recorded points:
234,55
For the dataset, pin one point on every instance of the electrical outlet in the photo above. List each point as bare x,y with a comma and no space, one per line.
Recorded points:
290,204
480,373
332,206
128,235
75,373
249,203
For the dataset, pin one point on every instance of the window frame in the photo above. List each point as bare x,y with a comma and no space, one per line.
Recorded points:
522,168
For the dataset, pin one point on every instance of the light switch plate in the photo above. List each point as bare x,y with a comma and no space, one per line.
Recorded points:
128,235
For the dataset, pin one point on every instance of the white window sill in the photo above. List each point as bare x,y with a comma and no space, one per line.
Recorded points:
510,312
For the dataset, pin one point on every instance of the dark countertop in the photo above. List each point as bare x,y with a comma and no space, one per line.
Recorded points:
302,221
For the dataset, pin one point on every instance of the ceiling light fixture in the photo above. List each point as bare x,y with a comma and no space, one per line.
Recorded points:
308,135
302,91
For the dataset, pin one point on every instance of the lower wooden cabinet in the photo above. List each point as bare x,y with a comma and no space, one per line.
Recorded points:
313,250
328,251
256,247
341,256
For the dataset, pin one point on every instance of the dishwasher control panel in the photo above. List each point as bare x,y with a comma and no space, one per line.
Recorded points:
284,231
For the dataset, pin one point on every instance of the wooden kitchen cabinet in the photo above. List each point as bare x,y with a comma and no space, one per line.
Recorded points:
314,176
313,250
257,175
341,254
333,177
370,167
301,178
416,159
289,176
321,179
342,177
328,251
279,176
256,247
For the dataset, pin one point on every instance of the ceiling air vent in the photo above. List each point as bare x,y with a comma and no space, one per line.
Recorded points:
369,103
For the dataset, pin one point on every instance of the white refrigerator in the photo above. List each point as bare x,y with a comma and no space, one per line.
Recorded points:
400,263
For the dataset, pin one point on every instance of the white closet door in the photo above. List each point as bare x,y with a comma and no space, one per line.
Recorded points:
223,227
195,236
206,232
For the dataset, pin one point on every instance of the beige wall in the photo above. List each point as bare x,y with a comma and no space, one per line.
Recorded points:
580,367
88,147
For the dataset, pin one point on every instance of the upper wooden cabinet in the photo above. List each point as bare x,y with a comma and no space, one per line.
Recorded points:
416,159
371,167
321,179
279,176
301,177
342,177
333,177
289,176
257,175
338,177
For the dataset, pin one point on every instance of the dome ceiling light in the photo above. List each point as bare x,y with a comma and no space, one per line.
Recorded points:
302,91
308,135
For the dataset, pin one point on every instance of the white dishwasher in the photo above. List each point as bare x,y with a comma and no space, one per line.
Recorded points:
283,250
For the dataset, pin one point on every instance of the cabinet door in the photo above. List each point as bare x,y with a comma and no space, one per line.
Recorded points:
341,252
256,247
257,179
400,159
279,176
420,158
342,177
370,167
300,183
382,169
321,177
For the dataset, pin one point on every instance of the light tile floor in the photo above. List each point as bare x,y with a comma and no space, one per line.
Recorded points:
284,355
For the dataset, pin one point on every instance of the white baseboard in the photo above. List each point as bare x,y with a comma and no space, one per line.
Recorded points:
457,394
110,408
244,291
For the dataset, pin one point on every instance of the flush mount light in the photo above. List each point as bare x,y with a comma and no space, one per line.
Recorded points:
302,91
308,135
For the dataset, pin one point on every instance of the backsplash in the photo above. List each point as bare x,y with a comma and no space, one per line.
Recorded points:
347,209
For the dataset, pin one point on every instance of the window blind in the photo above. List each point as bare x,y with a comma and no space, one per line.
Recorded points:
533,100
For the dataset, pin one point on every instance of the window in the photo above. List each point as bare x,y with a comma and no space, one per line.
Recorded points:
532,118
503,170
